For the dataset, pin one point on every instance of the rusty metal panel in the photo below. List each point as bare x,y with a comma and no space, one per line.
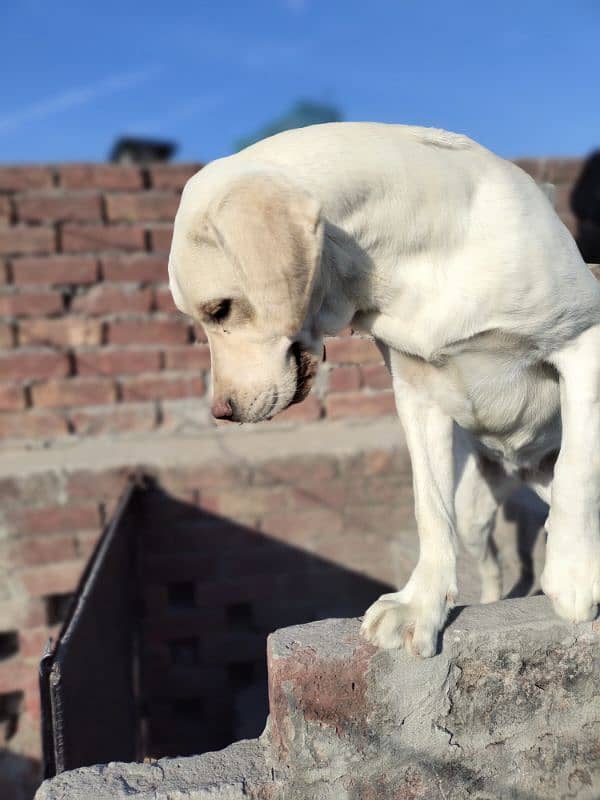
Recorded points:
88,680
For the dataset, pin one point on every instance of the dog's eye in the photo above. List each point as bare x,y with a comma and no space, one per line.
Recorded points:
220,311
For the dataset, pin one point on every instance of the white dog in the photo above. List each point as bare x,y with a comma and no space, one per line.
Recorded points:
489,321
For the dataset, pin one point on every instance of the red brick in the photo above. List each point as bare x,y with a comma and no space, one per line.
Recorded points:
352,350
65,332
121,418
94,238
306,411
103,299
161,238
6,335
12,397
344,379
142,206
58,519
190,357
376,376
172,176
100,176
17,179
299,527
562,170
356,404
21,365
150,387
58,578
148,331
33,550
140,267
30,303
5,210
12,674
73,392
101,484
33,641
39,425
163,300
57,206
532,166
56,270
116,361
22,239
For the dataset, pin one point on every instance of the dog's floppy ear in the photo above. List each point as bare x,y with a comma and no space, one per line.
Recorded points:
272,233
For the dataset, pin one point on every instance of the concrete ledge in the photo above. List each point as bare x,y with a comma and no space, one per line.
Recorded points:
509,709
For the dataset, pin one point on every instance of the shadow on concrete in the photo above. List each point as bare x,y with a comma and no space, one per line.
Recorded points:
213,590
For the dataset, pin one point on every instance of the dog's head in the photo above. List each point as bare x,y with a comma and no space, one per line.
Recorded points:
244,264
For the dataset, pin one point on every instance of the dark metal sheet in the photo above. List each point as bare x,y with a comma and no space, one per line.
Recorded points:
88,681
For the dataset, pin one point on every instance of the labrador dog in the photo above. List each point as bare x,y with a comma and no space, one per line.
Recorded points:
454,260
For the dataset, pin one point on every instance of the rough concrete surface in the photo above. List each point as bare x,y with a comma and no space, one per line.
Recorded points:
510,708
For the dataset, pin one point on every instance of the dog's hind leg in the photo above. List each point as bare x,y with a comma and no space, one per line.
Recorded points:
414,616
482,486
571,576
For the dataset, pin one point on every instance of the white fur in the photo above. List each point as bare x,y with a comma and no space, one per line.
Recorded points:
455,261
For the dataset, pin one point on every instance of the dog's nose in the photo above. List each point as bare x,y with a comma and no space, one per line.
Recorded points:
221,409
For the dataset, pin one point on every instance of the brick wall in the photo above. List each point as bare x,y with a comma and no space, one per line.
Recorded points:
90,342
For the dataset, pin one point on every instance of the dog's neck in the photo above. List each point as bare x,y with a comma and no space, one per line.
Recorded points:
343,287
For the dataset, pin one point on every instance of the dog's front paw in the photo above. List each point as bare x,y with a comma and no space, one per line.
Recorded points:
573,585
403,619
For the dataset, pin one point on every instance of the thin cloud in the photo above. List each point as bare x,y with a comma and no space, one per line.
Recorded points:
73,98
178,113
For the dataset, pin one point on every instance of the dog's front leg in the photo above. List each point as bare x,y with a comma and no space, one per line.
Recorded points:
413,617
571,576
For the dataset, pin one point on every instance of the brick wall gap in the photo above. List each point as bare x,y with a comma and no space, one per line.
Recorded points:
28,396
146,178
9,272
148,241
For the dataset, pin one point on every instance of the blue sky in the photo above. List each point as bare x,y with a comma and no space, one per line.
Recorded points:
521,77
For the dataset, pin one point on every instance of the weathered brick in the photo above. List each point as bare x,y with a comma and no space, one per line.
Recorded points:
6,335
100,176
95,238
562,170
32,424
172,176
64,332
57,206
22,365
352,350
148,331
164,386
55,270
12,397
73,392
189,357
5,210
58,519
142,206
17,179
100,484
532,166
356,404
161,238
30,303
106,299
33,550
140,267
116,361
33,640
121,418
23,239
376,376
58,578
163,300
306,411
344,379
